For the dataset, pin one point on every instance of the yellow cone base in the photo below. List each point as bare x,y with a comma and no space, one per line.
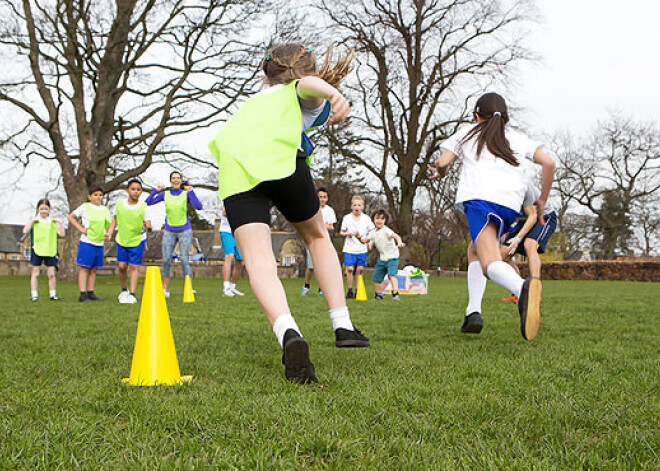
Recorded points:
154,355
183,379
188,295
361,294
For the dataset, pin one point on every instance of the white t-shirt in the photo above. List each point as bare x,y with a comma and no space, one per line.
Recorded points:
385,243
532,194
490,178
81,213
133,207
329,216
224,221
361,226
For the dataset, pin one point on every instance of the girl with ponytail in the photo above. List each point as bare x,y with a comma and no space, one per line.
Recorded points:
490,192
263,154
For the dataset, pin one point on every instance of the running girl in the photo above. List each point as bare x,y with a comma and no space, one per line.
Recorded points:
263,155
490,191
43,232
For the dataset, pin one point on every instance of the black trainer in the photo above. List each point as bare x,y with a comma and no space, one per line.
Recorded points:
83,297
350,294
92,297
378,296
54,298
295,358
350,338
473,323
529,308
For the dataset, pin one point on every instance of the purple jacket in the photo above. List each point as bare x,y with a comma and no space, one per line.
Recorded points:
155,197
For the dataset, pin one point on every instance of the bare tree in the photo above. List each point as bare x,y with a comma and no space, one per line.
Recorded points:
415,58
608,173
646,218
107,88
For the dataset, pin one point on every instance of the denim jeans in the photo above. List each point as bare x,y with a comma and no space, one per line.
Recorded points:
169,241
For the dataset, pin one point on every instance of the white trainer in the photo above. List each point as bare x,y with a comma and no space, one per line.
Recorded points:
123,297
132,299
228,293
167,294
237,292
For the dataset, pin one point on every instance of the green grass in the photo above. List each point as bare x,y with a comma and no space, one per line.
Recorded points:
584,394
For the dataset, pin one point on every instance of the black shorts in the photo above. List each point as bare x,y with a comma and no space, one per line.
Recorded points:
541,233
36,260
294,196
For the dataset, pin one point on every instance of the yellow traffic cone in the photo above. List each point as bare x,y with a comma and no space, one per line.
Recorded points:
361,294
188,295
154,355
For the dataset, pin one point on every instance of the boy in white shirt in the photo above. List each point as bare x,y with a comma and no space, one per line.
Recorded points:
387,243
353,226
329,219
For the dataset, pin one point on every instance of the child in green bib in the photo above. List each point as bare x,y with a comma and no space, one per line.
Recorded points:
43,232
263,155
131,221
94,220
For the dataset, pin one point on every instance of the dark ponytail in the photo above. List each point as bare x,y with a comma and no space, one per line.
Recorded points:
491,108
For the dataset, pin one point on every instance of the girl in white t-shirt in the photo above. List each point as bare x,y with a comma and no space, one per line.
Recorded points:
490,192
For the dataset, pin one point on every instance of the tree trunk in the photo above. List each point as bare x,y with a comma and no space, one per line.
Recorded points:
76,195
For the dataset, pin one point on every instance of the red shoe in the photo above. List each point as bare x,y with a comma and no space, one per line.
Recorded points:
511,298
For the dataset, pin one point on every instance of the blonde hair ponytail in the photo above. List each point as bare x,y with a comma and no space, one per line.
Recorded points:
285,63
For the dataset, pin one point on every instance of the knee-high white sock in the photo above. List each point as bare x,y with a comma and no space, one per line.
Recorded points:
282,324
504,275
476,287
341,319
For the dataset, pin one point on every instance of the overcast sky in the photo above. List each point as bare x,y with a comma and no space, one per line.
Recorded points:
596,56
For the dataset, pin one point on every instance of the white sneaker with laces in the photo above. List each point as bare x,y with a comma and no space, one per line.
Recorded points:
131,299
123,297
237,292
228,293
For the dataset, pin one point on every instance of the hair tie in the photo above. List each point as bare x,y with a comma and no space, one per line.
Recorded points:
497,113
268,57
310,49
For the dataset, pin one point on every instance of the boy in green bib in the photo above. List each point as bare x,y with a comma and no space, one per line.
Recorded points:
131,222
263,154
43,232
94,220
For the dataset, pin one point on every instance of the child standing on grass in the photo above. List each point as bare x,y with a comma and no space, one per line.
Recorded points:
263,155
329,219
387,243
95,219
490,192
354,225
43,232
232,255
132,222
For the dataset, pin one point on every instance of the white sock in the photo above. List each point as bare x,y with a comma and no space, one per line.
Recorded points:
34,293
341,319
282,324
232,285
226,285
52,293
476,287
504,275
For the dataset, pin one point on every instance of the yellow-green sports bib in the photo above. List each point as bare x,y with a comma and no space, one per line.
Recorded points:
99,220
44,238
129,223
176,208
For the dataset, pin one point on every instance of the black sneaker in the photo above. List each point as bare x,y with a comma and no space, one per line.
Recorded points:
350,338
92,297
54,298
295,358
350,294
378,296
83,297
395,297
473,323
529,308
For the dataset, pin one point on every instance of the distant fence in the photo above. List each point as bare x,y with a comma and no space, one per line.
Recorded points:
595,270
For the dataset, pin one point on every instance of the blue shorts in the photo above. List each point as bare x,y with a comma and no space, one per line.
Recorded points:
355,259
89,256
132,255
479,213
385,268
541,233
37,260
229,246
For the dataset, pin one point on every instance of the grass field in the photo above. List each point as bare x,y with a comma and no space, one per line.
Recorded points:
584,394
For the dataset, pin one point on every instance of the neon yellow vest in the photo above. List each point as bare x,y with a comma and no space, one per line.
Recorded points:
44,238
259,142
129,224
98,221
176,208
